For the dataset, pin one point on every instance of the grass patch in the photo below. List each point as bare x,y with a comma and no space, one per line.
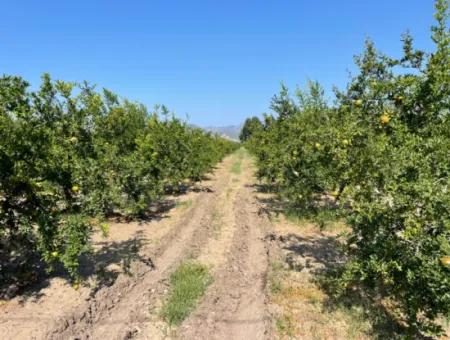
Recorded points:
236,167
325,220
285,326
276,275
239,155
188,283
305,313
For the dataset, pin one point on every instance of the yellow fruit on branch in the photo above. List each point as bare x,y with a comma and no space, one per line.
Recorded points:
445,261
358,102
385,118
75,188
317,145
54,254
345,142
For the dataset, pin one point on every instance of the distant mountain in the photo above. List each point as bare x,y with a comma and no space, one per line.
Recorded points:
230,131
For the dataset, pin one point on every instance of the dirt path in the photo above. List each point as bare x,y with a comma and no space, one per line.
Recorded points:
234,306
219,227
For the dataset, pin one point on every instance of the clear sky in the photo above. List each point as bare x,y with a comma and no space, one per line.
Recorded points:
217,61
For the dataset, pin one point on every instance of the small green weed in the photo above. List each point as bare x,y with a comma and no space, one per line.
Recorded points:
188,284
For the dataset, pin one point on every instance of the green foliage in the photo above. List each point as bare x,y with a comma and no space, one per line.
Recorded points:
381,154
251,126
68,153
188,284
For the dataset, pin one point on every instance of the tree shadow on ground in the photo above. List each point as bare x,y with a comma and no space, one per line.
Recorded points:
158,210
21,271
103,266
194,184
26,275
322,255
321,211
112,259
201,188
324,250
155,212
263,188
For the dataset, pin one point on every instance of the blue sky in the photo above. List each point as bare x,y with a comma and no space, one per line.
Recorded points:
217,61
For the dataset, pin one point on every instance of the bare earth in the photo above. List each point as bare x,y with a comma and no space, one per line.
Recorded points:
219,225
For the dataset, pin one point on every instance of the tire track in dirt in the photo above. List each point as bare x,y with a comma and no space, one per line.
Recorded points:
113,311
213,254
234,306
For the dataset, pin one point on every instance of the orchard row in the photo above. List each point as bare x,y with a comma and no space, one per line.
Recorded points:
380,156
71,156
